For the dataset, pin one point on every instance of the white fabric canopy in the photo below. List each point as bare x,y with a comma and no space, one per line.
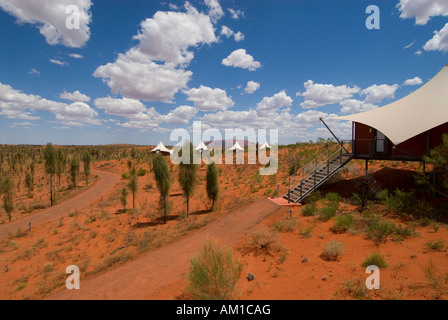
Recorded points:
161,148
422,110
201,146
265,146
236,146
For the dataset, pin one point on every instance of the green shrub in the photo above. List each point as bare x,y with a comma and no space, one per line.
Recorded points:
379,231
309,210
213,274
437,245
342,223
375,259
333,197
285,225
332,250
124,176
141,172
328,211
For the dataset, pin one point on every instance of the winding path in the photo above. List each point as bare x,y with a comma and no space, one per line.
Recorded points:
106,182
149,274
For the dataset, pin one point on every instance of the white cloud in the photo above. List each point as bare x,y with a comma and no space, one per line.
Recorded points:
75,55
59,62
413,82
15,104
251,87
240,59
154,70
270,105
208,99
238,36
236,14
409,45
422,10
439,42
50,18
24,124
418,52
375,93
310,118
120,107
215,10
226,31
33,71
180,115
350,106
317,95
76,96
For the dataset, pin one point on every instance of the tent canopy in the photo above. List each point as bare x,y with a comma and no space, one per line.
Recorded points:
162,149
201,147
422,110
265,146
236,146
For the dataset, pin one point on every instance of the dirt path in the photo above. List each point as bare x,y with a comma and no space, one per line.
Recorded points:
149,274
106,182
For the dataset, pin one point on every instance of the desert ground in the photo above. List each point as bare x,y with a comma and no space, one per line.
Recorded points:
129,253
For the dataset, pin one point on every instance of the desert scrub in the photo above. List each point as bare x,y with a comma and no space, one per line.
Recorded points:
332,250
263,239
328,211
355,288
309,210
342,223
378,231
213,274
375,259
289,225
437,245
333,197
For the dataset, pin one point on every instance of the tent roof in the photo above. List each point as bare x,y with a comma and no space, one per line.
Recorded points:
265,146
236,146
422,110
161,148
200,146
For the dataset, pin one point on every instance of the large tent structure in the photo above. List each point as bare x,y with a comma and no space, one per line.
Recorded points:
236,147
160,148
201,147
407,128
265,146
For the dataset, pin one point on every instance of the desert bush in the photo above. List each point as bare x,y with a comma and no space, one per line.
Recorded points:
332,250
375,259
328,211
262,239
436,245
379,231
405,202
333,197
213,274
356,288
342,223
309,209
285,225
141,172
293,163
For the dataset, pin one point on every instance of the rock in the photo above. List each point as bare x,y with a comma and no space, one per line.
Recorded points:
413,256
250,277
324,278
305,259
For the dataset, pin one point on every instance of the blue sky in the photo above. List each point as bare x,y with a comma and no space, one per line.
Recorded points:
135,70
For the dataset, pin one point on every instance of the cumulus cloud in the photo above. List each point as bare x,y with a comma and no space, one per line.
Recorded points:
413,82
350,106
15,104
236,14
439,41
76,96
422,10
241,59
375,93
238,36
270,105
226,31
120,107
317,95
251,87
180,115
208,99
154,70
50,18
215,10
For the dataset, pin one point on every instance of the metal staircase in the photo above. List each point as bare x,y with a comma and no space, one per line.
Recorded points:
317,172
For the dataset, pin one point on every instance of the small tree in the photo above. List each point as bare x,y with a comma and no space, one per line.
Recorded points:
133,186
212,185
163,180
61,161
86,159
29,182
74,171
6,187
187,176
123,198
50,166
439,159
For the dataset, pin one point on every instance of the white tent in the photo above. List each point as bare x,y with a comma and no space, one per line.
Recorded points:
265,146
237,147
201,147
422,110
162,149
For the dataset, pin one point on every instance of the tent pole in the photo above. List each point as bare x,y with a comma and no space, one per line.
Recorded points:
321,119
